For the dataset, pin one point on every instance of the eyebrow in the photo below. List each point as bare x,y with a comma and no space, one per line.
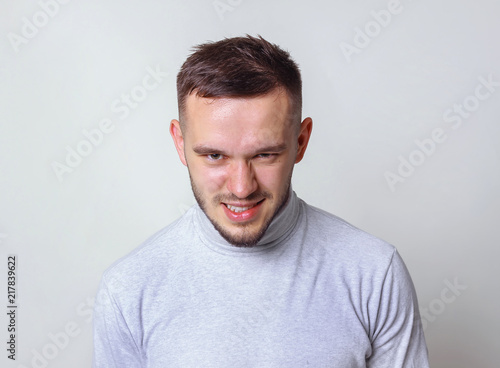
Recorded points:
202,149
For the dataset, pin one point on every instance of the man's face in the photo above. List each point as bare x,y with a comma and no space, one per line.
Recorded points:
240,154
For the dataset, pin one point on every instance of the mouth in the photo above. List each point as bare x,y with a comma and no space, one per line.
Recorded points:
239,209
240,212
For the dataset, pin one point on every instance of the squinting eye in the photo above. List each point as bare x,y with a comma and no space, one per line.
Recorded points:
215,156
265,155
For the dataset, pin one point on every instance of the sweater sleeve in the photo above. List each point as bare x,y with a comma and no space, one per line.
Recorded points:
398,339
114,345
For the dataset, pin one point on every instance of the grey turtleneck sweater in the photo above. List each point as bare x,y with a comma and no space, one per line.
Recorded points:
315,292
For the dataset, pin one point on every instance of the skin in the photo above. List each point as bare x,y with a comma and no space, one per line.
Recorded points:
240,152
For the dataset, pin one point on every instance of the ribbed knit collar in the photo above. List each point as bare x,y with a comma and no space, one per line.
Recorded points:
279,229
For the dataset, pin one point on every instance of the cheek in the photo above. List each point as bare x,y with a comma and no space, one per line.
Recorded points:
211,180
273,178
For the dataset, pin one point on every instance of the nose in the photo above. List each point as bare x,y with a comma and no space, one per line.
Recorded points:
242,181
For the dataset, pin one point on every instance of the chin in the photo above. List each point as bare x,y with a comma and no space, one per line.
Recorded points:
242,238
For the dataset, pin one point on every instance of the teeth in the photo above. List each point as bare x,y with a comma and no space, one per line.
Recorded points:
237,209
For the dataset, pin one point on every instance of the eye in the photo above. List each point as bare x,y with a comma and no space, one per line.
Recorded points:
266,155
215,156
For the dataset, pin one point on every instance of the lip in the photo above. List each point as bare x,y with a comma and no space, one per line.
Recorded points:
244,216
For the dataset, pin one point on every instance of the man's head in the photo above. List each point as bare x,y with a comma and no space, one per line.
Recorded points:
240,133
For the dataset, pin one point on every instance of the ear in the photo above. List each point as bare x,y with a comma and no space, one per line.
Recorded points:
176,133
303,138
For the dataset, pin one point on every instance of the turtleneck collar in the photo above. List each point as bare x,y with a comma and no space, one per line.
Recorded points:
279,229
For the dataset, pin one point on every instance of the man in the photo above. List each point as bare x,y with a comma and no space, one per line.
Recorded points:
252,276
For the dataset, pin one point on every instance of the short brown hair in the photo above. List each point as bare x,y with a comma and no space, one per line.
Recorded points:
239,67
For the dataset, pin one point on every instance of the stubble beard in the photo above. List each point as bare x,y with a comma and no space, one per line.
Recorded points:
246,238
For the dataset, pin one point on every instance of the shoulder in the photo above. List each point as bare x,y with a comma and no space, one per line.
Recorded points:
331,228
155,253
354,258
344,244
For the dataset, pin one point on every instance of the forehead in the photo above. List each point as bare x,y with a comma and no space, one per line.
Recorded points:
244,118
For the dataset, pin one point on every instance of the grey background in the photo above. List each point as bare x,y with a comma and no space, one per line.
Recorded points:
368,110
